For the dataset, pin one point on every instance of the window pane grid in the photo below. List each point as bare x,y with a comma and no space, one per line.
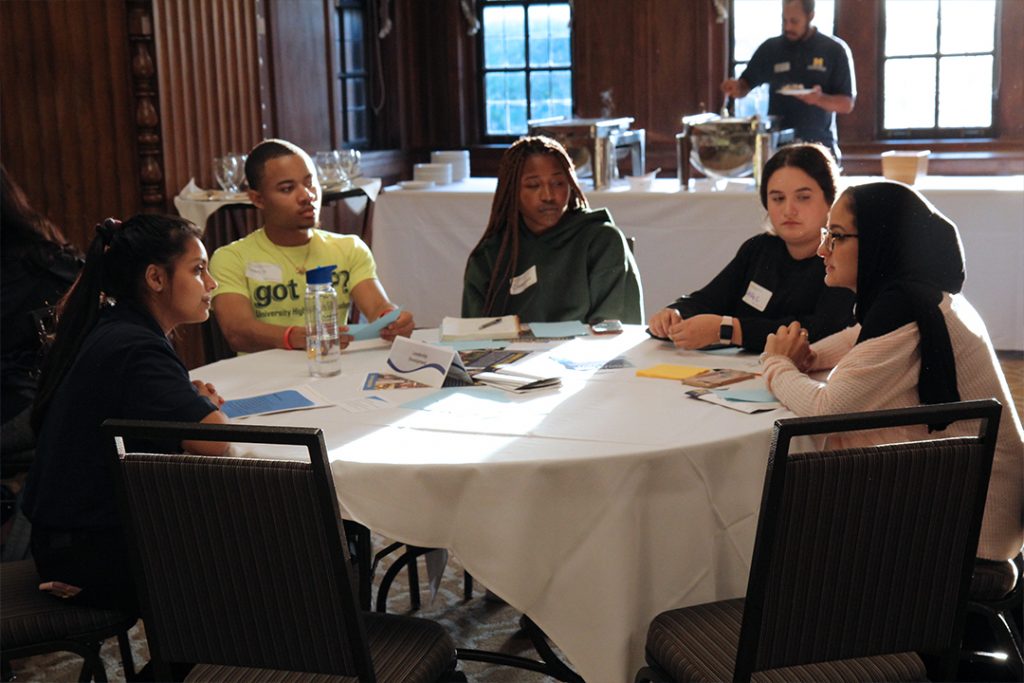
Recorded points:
938,70
527,64
352,73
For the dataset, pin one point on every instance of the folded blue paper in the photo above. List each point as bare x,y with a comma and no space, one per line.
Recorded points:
277,402
747,395
365,331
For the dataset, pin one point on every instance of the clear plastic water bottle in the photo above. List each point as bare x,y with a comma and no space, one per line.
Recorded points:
323,350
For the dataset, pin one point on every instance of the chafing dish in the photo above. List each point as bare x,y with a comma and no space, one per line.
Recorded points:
724,147
596,145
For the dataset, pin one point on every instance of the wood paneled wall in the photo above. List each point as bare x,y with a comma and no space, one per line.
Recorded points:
67,111
209,72
299,66
652,58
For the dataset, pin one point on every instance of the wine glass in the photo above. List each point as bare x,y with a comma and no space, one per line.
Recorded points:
350,162
328,166
227,171
239,178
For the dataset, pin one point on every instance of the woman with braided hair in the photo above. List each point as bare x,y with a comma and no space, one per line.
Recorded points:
111,359
545,255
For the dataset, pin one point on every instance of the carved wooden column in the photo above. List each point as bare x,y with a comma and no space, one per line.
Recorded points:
145,89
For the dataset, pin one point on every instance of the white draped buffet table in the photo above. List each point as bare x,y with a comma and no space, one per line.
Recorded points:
421,239
591,508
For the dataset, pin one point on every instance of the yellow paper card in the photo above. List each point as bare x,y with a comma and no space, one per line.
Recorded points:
669,371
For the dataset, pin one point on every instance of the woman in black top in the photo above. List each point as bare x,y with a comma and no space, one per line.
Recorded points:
111,359
776,277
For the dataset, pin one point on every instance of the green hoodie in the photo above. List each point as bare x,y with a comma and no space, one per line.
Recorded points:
584,271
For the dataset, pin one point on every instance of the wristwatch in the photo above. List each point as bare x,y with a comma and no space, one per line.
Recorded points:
725,331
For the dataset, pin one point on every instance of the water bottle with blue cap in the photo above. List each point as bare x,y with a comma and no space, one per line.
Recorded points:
323,349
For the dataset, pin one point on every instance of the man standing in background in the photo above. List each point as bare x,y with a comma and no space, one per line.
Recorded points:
810,76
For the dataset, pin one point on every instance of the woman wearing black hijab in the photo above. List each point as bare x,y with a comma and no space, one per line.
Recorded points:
918,340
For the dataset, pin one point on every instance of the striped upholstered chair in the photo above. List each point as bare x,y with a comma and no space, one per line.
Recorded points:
35,623
861,565
242,569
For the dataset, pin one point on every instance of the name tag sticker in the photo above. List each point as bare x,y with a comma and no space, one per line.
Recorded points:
264,272
757,296
521,283
781,67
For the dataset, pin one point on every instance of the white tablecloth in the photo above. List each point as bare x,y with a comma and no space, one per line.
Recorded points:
421,240
591,508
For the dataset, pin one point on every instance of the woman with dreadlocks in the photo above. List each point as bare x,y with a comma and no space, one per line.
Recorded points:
545,255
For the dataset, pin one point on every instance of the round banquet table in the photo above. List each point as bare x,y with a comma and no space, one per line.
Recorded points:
591,507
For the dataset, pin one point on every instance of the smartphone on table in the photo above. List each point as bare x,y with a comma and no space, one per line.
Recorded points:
606,327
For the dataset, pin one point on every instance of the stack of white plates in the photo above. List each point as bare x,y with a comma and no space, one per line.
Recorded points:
440,174
459,159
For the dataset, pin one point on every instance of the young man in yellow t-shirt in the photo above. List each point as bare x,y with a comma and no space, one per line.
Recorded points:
259,303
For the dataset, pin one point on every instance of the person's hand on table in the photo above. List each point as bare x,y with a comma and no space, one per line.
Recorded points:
207,390
661,321
791,341
401,327
697,331
344,339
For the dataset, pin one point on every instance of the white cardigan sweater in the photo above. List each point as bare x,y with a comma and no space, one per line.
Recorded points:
882,373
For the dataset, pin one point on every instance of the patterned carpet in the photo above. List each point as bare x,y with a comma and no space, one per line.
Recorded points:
476,623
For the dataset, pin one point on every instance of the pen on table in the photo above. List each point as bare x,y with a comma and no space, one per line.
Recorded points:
489,323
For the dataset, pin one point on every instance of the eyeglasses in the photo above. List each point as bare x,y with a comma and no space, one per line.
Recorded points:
829,238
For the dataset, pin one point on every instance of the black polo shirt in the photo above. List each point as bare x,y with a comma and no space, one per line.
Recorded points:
126,368
818,60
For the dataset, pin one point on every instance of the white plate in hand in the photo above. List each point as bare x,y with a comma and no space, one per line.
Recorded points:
795,91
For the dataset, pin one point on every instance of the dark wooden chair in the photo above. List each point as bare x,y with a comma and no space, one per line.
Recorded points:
862,561
241,565
34,622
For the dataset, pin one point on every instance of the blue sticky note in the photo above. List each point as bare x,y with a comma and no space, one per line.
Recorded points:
276,402
365,331
570,328
747,395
